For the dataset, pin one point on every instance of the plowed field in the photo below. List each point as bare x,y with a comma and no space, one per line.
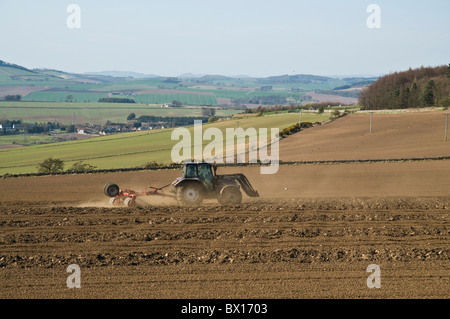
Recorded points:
312,234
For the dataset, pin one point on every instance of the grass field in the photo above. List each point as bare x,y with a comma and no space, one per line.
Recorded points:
22,139
95,113
186,99
51,96
128,149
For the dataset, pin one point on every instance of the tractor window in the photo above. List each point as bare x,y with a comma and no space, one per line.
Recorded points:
191,171
204,171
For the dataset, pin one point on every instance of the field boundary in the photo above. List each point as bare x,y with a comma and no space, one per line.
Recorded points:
281,163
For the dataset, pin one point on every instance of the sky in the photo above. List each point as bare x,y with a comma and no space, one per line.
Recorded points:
234,37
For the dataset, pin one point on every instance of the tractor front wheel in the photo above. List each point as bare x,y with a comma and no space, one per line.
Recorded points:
230,196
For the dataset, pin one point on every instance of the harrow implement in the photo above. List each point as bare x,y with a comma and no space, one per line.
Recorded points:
128,196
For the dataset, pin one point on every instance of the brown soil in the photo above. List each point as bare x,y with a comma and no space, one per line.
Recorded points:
22,90
406,135
317,97
312,234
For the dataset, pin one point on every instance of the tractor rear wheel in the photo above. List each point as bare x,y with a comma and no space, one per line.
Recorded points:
111,190
190,194
230,196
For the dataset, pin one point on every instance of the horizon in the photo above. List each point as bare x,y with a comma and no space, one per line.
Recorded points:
252,38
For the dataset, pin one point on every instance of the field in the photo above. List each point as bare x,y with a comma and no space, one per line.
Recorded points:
312,233
313,241
401,135
128,149
209,90
93,113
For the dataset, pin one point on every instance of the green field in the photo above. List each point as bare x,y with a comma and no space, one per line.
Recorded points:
94,113
185,99
22,139
128,149
51,96
56,86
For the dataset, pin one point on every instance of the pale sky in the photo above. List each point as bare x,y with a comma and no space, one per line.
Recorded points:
229,37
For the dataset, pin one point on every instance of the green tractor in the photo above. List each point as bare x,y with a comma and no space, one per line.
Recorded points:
198,181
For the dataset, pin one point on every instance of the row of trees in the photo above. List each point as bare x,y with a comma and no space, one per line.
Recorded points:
277,108
17,126
55,165
170,121
422,87
115,100
13,97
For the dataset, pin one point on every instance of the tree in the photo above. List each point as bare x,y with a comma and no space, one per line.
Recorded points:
71,128
428,93
82,167
206,112
69,98
212,119
444,102
51,165
321,110
176,103
16,97
404,97
131,116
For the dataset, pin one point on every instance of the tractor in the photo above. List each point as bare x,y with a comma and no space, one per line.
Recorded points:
198,181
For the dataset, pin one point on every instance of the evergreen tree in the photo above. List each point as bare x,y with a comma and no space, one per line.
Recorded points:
404,98
428,94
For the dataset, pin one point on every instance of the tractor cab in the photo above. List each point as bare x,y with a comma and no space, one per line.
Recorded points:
204,172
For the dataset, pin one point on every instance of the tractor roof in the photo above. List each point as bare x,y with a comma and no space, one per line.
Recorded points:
186,163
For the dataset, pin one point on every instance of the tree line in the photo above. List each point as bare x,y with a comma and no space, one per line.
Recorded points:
115,100
421,87
13,97
170,121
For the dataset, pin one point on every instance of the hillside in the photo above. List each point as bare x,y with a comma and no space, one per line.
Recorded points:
47,85
128,150
402,135
422,87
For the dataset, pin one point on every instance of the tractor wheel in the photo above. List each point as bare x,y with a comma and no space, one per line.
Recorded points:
111,190
112,200
128,201
190,194
230,196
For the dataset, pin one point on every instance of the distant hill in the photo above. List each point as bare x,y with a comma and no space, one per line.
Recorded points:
14,66
240,91
298,78
123,74
421,87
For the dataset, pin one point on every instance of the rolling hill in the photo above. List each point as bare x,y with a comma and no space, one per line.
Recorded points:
47,85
